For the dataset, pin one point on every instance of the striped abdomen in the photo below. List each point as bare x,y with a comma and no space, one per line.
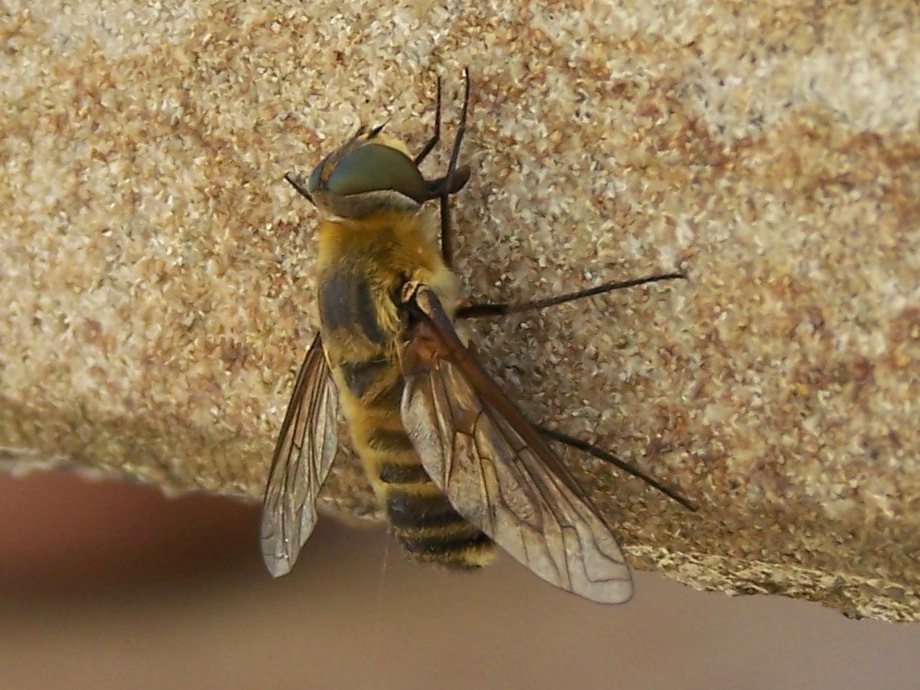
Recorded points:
421,516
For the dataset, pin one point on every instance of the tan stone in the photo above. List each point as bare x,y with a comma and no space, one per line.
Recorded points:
155,270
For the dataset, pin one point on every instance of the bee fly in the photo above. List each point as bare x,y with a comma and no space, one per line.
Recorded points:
455,464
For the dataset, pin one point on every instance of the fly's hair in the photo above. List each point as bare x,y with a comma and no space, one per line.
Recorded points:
456,465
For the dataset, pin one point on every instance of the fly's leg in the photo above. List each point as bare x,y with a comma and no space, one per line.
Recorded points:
455,178
478,311
474,311
602,454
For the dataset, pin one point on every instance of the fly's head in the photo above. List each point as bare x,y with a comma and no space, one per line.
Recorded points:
372,172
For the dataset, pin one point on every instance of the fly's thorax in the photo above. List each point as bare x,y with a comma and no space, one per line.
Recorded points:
357,311
363,265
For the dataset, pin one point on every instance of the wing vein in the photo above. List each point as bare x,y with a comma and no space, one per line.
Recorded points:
303,455
496,470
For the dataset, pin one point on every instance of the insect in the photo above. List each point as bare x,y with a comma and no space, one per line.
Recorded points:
455,464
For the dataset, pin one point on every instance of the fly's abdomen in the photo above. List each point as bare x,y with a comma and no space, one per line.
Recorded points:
421,516
362,353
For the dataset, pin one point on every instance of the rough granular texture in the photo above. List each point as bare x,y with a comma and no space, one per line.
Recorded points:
156,271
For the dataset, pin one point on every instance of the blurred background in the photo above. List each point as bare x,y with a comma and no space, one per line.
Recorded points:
112,585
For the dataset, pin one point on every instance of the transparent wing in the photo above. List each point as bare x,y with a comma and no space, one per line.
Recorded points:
303,455
496,470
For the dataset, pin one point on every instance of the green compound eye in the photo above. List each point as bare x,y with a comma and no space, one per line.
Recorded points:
374,167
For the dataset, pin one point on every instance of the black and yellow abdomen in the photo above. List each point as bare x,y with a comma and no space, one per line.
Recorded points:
361,333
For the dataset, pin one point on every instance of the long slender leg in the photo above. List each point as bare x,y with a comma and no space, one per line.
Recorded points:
436,137
482,310
478,311
461,129
447,240
601,454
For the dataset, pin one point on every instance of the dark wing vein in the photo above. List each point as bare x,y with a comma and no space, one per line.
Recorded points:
496,470
303,455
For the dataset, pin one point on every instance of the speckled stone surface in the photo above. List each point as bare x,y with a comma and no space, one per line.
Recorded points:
155,270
